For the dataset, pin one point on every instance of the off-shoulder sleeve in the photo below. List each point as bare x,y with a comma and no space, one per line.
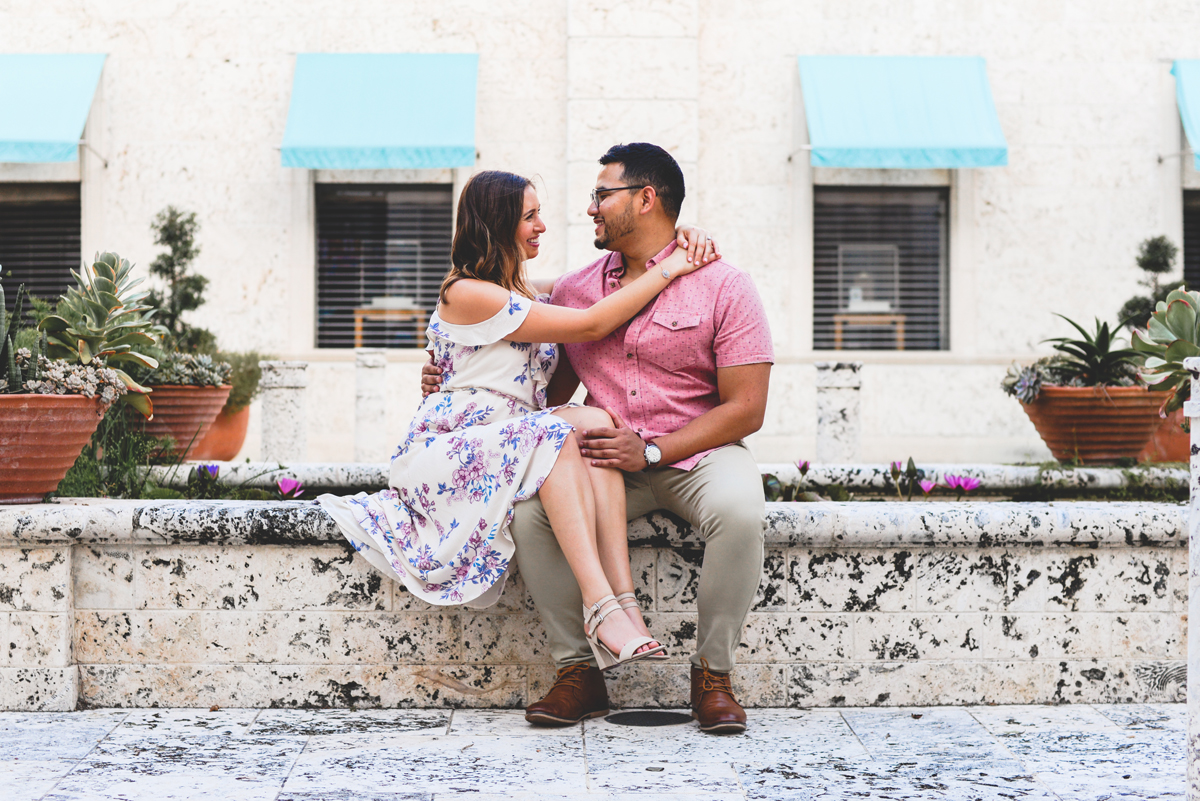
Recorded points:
494,329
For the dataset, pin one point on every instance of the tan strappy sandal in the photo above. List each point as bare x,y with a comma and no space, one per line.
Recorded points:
593,616
628,600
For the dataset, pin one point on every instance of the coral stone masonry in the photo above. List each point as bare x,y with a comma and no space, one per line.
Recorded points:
196,603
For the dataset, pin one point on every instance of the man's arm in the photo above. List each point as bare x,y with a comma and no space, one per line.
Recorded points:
743,393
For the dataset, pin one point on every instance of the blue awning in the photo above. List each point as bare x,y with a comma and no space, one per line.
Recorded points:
1187,95
901,112
381,111
44,103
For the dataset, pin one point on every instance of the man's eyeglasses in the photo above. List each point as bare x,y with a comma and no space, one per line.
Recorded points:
598,194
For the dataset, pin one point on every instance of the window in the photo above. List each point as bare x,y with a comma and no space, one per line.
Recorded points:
1191,239
39,238
879,269
382,252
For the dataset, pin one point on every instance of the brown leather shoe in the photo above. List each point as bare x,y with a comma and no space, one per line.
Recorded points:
578,693
713,704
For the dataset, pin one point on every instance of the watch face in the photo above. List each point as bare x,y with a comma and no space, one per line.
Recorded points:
653,454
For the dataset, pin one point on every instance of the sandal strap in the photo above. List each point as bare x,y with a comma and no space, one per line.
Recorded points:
597,613
634,644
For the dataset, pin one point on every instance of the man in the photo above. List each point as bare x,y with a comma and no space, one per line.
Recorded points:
685,380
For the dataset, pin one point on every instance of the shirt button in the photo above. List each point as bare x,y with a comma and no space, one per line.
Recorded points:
674,323
628,355
633,392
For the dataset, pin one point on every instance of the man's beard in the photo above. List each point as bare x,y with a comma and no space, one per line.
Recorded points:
614,230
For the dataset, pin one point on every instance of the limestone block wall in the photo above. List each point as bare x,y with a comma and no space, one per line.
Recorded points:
260,604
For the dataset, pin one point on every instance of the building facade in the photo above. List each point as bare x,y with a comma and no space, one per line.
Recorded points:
966,265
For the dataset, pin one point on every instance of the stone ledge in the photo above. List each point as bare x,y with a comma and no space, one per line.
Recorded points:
995,478
850,525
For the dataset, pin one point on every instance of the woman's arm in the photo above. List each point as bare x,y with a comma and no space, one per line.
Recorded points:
471,301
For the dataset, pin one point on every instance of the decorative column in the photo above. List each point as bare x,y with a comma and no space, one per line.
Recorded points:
839,428
284,411
1192,410
370,405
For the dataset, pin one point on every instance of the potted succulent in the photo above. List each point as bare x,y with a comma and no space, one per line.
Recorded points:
1170,337
228,432
55,389
1087,402
1156,257
190,386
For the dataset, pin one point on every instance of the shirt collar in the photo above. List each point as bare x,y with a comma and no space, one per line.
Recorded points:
614,265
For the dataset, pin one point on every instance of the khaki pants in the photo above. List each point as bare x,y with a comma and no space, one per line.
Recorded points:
722,497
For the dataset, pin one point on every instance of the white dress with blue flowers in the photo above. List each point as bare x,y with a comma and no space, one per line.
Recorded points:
481,445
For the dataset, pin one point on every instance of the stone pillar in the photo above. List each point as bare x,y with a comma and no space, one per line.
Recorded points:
839,428
1192,410
284,411
370,405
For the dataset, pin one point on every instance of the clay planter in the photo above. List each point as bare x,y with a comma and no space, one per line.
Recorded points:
41,436
226,436
1170,443
1097,425
184,412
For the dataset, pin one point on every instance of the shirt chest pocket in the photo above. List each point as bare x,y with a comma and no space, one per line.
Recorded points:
675,340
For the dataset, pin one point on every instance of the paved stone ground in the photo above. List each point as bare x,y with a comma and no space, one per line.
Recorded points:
1016,752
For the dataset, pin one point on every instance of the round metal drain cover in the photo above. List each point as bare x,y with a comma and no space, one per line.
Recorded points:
649,718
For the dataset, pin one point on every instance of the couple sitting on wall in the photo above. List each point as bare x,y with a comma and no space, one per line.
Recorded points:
673,348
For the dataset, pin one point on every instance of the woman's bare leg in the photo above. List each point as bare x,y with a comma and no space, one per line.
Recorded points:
570,505
608,490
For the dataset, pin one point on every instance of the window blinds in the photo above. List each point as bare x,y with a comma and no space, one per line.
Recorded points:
382,252
39,238
879,269
1191,239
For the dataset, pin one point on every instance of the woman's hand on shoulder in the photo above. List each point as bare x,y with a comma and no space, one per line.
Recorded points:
677,264
471,301
698,243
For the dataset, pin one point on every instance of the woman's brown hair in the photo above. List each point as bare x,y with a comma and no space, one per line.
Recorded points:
485,235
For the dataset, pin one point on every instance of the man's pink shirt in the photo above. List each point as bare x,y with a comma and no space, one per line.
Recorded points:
659,370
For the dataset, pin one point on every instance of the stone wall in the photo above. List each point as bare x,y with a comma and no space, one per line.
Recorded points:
260,604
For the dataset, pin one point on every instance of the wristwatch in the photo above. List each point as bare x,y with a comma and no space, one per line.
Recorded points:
652,455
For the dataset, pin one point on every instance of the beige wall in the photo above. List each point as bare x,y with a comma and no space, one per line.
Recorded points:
194,97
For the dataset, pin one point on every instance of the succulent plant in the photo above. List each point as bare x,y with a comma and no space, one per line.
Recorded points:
102,317
1093,361
1170,337
189,369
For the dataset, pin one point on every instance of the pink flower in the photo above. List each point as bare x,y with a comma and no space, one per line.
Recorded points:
290,488
961,484
927,486
802,466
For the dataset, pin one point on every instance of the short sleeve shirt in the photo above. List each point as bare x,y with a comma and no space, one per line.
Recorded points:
659,370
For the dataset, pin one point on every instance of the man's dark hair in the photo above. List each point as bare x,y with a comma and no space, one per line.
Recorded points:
649,164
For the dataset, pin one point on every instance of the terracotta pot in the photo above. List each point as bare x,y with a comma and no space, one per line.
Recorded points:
184,413
41,436
226,436
1097,425
1170,443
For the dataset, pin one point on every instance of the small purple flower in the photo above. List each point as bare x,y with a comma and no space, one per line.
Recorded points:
803,466
927,486
211,469
290,487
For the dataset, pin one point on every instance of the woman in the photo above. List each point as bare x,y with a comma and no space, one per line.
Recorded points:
487,440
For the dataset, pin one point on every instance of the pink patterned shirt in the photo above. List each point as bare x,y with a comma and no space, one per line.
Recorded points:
659,370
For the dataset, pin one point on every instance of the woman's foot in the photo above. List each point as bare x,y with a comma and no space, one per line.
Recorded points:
628,602
615,631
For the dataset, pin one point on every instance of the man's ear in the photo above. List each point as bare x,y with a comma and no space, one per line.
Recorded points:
649,199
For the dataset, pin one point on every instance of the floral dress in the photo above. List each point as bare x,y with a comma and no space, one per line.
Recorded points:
473,451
